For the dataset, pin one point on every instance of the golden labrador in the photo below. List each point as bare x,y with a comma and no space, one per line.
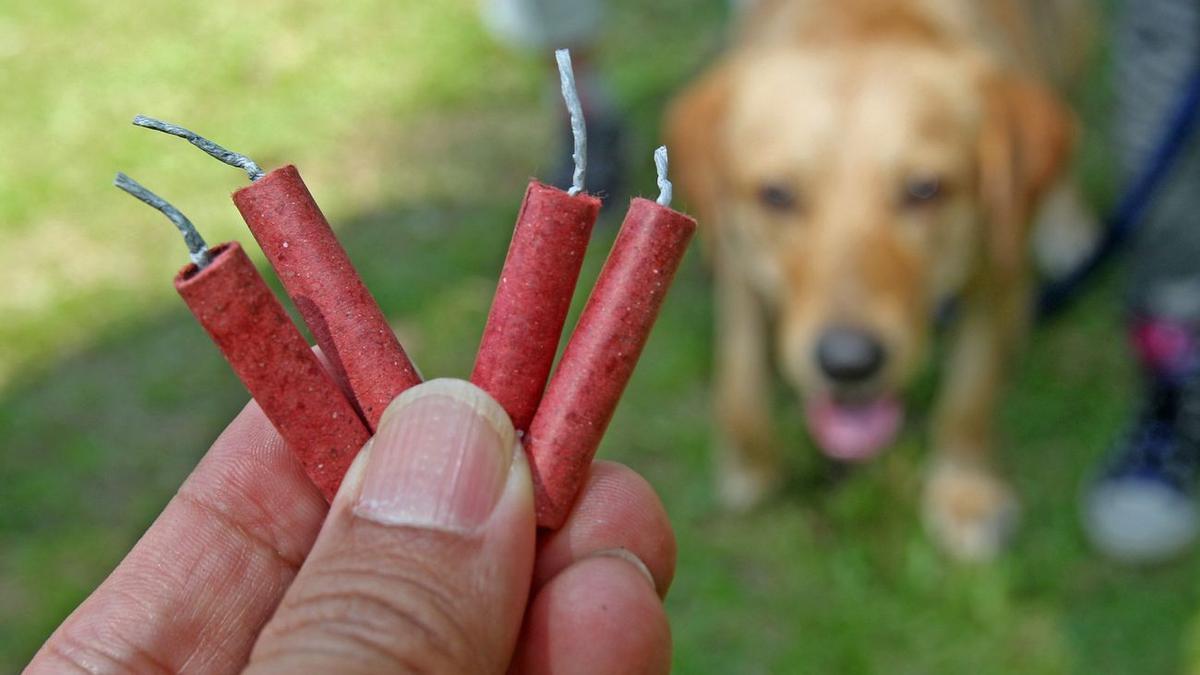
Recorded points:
857,163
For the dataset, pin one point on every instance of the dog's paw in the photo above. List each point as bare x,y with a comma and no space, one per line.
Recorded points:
969,511
740,487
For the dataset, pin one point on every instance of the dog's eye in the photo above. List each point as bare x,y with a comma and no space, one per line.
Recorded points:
777,197
922,190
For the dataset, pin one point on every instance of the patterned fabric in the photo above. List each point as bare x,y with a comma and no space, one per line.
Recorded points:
1157,45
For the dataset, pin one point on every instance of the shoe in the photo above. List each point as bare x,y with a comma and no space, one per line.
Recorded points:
1143,509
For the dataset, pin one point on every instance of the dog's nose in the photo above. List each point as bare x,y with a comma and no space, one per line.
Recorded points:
849,355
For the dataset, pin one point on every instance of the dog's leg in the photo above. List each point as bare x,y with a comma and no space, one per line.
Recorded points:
747,460
968,508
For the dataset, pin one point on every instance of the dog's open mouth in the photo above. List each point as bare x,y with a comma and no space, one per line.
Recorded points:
854,431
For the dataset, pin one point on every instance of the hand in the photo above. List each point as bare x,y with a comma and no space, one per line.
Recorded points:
426,562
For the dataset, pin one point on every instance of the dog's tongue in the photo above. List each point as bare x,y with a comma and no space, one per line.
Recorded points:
854,432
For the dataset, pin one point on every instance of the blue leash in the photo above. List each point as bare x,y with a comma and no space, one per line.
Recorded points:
1056,296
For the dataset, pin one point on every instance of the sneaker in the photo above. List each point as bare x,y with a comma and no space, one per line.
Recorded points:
1143,509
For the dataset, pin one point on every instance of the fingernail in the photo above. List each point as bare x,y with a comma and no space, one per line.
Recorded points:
440,459
629,557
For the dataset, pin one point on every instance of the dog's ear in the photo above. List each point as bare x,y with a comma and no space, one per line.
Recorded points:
1026,142
694,138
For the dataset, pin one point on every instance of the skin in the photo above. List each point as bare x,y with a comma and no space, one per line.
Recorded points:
247,532
860,175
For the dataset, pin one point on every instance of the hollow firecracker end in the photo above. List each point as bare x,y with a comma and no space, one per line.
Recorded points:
601,354
533,297
344,318
273,360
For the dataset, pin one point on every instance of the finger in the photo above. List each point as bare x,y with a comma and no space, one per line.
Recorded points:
598,583
617,509
195,590
424,562
601,616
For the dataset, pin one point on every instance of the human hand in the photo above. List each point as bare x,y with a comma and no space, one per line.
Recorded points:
428,561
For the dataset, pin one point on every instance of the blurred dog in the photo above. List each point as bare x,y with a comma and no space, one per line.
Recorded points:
858,163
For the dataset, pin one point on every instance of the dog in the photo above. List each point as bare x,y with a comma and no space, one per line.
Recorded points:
856,164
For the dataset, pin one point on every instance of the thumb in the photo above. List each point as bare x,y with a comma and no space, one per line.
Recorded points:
424,562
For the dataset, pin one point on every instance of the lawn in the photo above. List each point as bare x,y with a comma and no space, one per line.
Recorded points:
417,134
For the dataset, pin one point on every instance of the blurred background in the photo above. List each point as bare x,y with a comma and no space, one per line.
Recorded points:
417,132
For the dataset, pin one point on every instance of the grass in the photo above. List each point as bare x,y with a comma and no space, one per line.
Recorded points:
417,134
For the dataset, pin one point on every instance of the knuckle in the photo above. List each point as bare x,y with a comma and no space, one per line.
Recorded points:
67,652
397,618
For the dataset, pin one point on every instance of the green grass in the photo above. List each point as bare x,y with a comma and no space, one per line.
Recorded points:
417,135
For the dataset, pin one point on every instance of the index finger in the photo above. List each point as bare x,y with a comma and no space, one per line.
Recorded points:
616,510
195,590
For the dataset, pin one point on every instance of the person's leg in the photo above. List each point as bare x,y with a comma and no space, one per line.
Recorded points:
541,26
1143,506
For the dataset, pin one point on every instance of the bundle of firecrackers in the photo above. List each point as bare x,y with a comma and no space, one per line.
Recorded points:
326,412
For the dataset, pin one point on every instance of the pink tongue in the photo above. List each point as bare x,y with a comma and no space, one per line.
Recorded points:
854,433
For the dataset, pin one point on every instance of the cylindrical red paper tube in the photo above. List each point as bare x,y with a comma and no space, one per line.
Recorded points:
533,297
316,272
271,357
601,354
